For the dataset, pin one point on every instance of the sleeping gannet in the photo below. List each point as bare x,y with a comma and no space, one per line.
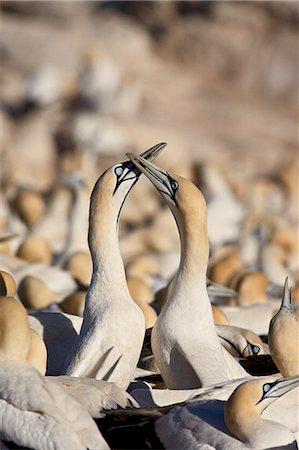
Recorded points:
233,340
74,303
242,422
29,205
36,412
283,336
35,249
187,360
108,349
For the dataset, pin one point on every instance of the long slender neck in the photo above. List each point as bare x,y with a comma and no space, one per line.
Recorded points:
194,248
189,298
104,246
190,282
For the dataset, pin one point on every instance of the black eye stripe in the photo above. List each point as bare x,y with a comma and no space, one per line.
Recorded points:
126,167
267,390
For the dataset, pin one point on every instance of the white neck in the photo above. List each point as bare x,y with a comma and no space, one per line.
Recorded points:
189,286
108,278
189,292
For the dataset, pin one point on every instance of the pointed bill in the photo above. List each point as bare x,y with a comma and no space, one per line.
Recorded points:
157,176
131,170
287,296
282,386
154,151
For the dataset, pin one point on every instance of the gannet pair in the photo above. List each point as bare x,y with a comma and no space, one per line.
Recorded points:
187,360
106,348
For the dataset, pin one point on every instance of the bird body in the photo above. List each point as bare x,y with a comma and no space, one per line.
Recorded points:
110,340
187,360
38,413
177,350
111,351
237,421
283,337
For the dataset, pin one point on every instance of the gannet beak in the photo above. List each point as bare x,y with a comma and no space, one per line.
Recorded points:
287,296
128,171
160,178
154,151
217,290
149,154
280,387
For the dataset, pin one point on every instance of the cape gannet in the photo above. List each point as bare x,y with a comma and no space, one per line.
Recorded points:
236,424
283,336
36,412
74,303
234,341
29,205
35,249
187,360
107,348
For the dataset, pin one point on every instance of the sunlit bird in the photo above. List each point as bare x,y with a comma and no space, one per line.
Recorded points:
187,360
112,332
283,336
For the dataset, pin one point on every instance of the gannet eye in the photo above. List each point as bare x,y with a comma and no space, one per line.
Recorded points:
266,388
118,170
174,185
255,349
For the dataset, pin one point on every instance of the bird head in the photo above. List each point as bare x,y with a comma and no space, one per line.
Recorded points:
113,186
182,196
254,396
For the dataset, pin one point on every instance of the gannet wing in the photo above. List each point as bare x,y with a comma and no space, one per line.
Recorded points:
95,395
34,409
197,427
